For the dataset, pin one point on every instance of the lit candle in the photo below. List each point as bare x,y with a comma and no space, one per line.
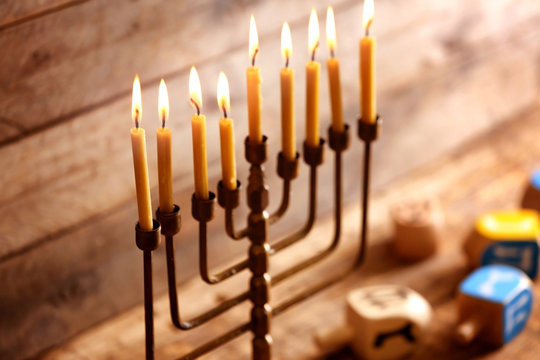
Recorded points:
164,136
226,132
313,69
254,87
288,139
140,164
198,132
333,73
367,66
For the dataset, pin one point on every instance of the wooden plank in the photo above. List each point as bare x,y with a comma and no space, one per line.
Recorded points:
74,61
500,161
16,12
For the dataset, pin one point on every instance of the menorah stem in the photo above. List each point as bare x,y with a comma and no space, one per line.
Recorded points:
257,196
148,305
365,202
368,132
148,241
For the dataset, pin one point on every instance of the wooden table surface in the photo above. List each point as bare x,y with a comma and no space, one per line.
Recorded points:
489,172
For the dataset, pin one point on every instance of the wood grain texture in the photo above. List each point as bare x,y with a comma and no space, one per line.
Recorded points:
16,12
488,172
447,72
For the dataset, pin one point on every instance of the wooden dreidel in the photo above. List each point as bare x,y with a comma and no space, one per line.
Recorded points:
505,237
382,322
531,196
494,303
417,228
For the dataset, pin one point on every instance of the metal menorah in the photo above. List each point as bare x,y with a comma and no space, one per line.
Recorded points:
260,249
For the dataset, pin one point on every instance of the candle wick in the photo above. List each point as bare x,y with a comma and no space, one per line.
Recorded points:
332,55
163,122
287,61
254,56
224,112
136,118
313,52
196,106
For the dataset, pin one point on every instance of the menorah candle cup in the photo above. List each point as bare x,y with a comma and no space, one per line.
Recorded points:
382,322
287,169
531,195
418,224
494,304
338,140
171,222
505,237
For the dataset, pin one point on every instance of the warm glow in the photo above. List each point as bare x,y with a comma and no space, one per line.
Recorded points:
367,16
136,102
286,42
313,35
195,93
253,40
223,99
163,102
330,29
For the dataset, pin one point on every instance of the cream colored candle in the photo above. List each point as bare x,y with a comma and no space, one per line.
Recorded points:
164,143
226,132
198,132
288,138
367,67
333,73
313,69
140,163
254,87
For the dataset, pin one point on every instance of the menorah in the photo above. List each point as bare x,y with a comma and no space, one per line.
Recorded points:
260,250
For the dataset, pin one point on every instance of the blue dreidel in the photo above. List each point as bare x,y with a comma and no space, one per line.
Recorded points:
494,304
505,237
531,196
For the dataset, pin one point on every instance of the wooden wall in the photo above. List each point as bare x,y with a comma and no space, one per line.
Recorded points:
446,72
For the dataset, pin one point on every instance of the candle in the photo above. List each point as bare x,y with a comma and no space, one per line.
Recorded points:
333,73
288,139
313,69
226,132
367,66
198,132
138,147
254,87
164,136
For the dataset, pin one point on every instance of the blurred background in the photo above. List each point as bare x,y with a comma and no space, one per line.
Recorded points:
447,71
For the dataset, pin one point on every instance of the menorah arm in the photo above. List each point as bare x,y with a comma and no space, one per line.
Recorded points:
229,199
285,197
287,169
229,226
338,142
173,295
203,260
312,210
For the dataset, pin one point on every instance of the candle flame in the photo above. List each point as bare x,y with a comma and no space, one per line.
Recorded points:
195,93
313,34
136,102
286,42
223,93
163,102
253,40
330,29
367,16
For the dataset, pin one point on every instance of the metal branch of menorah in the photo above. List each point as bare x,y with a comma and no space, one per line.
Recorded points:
260,249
